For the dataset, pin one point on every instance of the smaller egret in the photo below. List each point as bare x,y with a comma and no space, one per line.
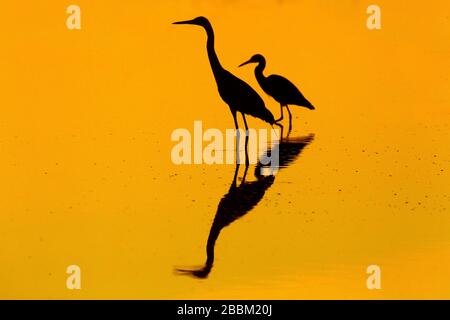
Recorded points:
279,88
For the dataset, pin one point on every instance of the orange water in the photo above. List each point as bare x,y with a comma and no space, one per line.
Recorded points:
85,147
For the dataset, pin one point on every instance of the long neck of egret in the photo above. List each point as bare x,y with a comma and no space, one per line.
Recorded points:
259,71
213,59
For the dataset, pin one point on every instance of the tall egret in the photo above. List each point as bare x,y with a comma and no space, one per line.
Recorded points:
239,96
279,88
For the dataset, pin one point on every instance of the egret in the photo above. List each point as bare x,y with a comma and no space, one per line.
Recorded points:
279,88
239,96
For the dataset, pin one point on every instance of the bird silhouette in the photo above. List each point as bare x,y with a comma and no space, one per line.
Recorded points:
243,198
239,200
239,96
279,88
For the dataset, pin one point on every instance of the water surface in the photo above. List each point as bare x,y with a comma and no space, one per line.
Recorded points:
85,145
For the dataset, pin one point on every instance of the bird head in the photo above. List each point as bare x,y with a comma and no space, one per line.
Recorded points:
257,58
199,21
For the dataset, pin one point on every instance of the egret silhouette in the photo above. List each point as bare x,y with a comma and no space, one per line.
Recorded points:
279,88
243,198
239,200
239,96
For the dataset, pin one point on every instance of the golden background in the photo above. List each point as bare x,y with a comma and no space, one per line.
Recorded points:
85,150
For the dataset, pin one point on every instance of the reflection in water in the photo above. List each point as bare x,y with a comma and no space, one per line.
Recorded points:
241,199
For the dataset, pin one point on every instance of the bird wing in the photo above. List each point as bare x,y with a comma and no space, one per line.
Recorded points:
285,91
243,98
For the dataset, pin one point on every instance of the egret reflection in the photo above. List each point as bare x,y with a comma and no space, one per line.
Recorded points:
243,197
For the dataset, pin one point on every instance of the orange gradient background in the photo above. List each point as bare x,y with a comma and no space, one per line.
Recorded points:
87,179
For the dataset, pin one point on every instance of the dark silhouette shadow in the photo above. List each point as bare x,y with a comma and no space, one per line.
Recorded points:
289,150
279,88
241,199
236,93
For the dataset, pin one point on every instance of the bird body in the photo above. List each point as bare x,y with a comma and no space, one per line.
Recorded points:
239,96
284,91
279,88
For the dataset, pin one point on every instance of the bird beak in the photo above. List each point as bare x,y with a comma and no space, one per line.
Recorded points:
184,22
247,62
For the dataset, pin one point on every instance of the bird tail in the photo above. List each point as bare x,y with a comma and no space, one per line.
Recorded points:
309,106
267,116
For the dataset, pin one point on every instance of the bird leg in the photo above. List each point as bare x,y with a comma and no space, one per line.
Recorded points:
290,119
245,175
237,136
247,162
236,171
281,109
281,130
